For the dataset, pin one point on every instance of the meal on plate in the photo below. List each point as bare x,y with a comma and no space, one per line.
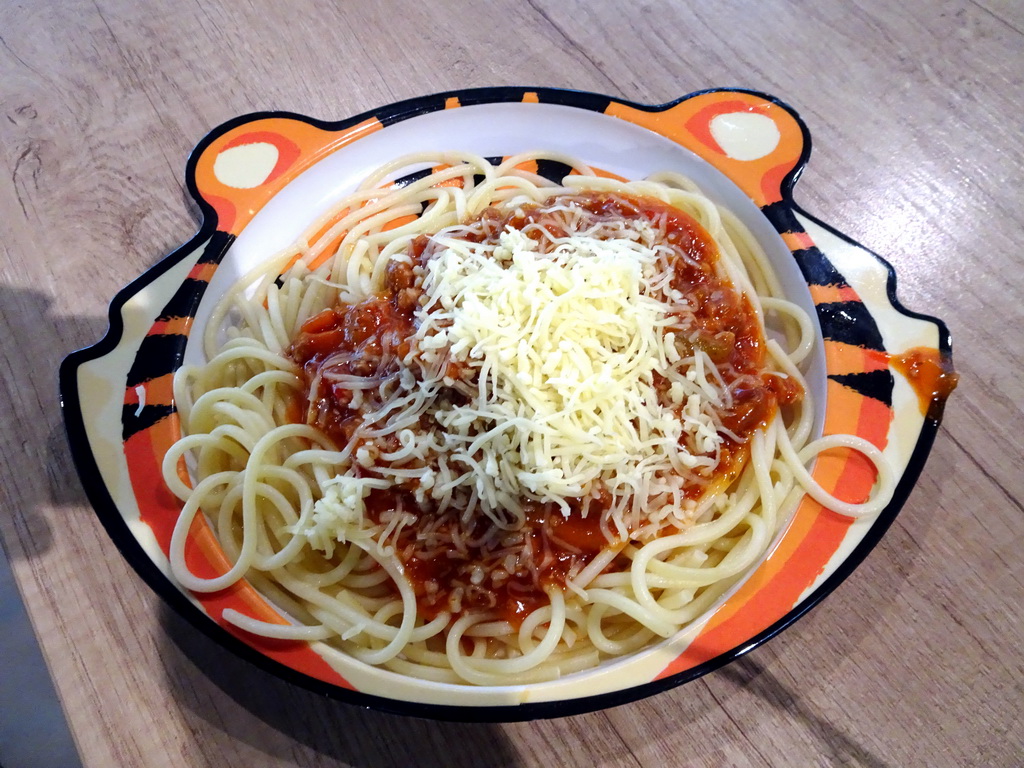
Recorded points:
480,427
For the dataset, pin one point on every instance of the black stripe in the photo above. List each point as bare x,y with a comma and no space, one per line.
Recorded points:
162,353
216,248
780,214
158,355
814,265
422,105
185,300
817,269
552,170
496,160
874,384
418,106
849,322
409,178
594,101
135,420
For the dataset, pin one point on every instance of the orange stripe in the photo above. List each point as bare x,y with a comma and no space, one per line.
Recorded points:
528,166
828,294
400,221
330,223
773,589
452,102
797,241
203,271
159,391
530,97
843,413
771,182
842,358
175,325
331,248
456,182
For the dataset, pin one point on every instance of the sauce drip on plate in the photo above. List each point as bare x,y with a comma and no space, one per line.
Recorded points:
931,375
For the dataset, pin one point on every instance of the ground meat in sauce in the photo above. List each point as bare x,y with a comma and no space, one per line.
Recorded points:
369,339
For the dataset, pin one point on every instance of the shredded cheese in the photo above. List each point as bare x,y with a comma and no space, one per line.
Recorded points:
339,516
552,367
564,346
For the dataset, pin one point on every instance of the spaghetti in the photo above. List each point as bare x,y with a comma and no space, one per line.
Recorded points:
478,427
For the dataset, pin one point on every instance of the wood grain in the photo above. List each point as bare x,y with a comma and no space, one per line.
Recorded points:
915,112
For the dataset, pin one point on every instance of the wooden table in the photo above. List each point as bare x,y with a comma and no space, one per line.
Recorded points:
915,109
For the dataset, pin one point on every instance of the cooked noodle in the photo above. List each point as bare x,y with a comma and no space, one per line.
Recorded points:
288,489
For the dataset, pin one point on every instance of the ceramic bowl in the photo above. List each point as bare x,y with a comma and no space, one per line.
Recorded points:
259,179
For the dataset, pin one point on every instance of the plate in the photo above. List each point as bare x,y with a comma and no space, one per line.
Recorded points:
260,178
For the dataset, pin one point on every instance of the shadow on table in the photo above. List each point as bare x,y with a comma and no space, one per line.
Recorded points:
836,747
33,433
886,570
270,715
883,575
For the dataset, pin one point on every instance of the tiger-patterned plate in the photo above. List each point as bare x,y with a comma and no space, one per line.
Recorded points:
259,179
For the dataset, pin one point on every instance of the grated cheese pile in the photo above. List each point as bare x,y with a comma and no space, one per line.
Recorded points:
564,345
534,366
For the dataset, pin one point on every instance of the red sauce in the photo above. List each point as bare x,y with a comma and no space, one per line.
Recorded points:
931,375
559,545
367,339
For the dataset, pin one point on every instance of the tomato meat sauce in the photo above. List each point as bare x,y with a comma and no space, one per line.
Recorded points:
507,574
365,340
504,575
931,375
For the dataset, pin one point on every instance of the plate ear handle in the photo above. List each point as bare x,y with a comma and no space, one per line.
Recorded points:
242,164
756,140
